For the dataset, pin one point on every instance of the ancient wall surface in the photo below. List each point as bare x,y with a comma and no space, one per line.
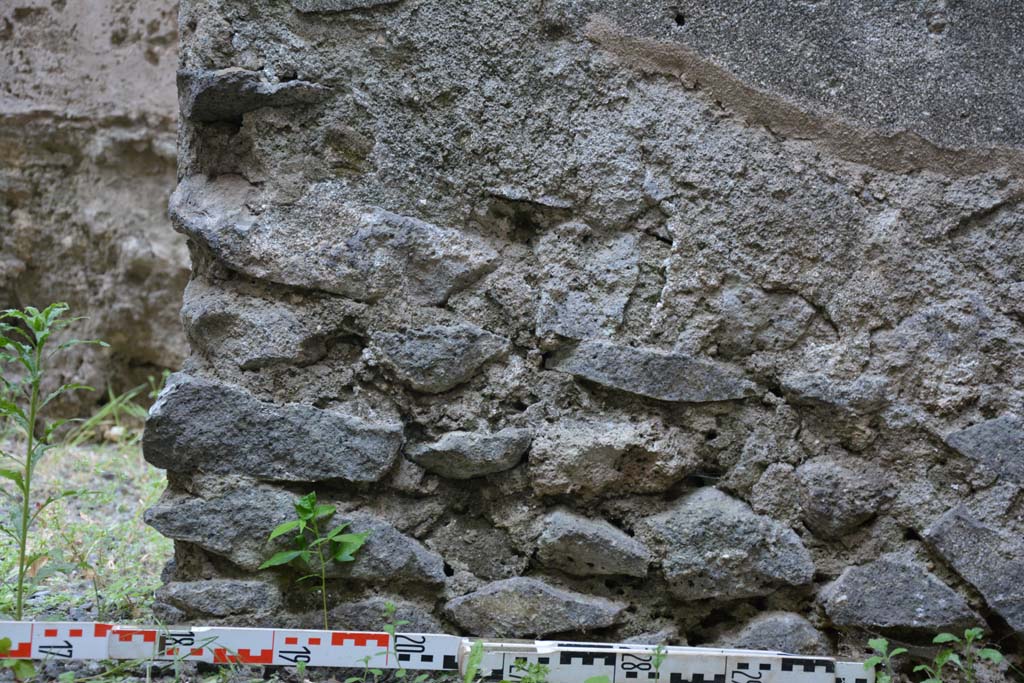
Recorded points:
625,319
87,154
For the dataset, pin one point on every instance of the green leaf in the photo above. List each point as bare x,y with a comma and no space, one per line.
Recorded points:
879,645
990,654
23,669
922,667
5,645
872,662
400,673
66,677
945,638
283,557
337,530
598,679
376,672
421,678
283,529
304,506
321,511
972,634
898,651
14,476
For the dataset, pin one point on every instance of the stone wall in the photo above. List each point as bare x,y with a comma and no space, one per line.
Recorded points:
87,155
625,320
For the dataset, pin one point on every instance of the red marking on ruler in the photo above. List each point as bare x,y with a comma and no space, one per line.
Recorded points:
314,641
290,640
196,652
23,651
126,636
100,630
359,639
49,633
75,633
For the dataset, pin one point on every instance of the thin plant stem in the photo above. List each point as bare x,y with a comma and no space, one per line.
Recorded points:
26,503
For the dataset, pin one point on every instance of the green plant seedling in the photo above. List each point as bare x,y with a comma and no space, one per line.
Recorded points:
531,672
968,656
657,659
881,662
21,668
26,345
313,548
391,627
473,662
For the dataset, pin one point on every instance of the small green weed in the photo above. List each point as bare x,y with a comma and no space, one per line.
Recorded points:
473,662
531,672
313,549
25,338
961,654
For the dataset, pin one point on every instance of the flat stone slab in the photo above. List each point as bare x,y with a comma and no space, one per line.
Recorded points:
590,547
465,455
996,444
655,374
203,425
523,606
711,545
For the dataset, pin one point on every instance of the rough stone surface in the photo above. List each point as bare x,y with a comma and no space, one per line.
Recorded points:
588,547
325,243
525,606
465,455
434,359
988,558
836,499
996,444
591,457
226,94
222,597
654,374
895,595
368,615
739,292
199,424
87,154
779,631
714,546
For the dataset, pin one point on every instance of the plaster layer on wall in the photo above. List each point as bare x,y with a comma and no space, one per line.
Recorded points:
597,328
87,157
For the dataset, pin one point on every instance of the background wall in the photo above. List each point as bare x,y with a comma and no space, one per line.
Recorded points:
87,153
635,320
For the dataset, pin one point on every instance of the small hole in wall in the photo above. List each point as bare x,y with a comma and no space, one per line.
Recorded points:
680,19
710,435
448,570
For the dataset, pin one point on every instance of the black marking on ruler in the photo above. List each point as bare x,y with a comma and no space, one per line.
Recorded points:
860,680
697,678
543,660
63,651
589,646
403,658
765,666
742,666
497,674
587,658
450,663
808,665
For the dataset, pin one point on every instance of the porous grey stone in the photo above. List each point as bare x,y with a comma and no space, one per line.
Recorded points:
836,498
222,597
987,557
437,358
589,547
388,556
711,545
473,545
368,615
654,374
337,5
465,455
227,94
254,332
233,523
613,455
322,242
996,444
750,319
895,595
865,394
525,606
587,283
779,631
201,424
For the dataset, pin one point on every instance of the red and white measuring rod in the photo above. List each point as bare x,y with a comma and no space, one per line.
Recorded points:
567,662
